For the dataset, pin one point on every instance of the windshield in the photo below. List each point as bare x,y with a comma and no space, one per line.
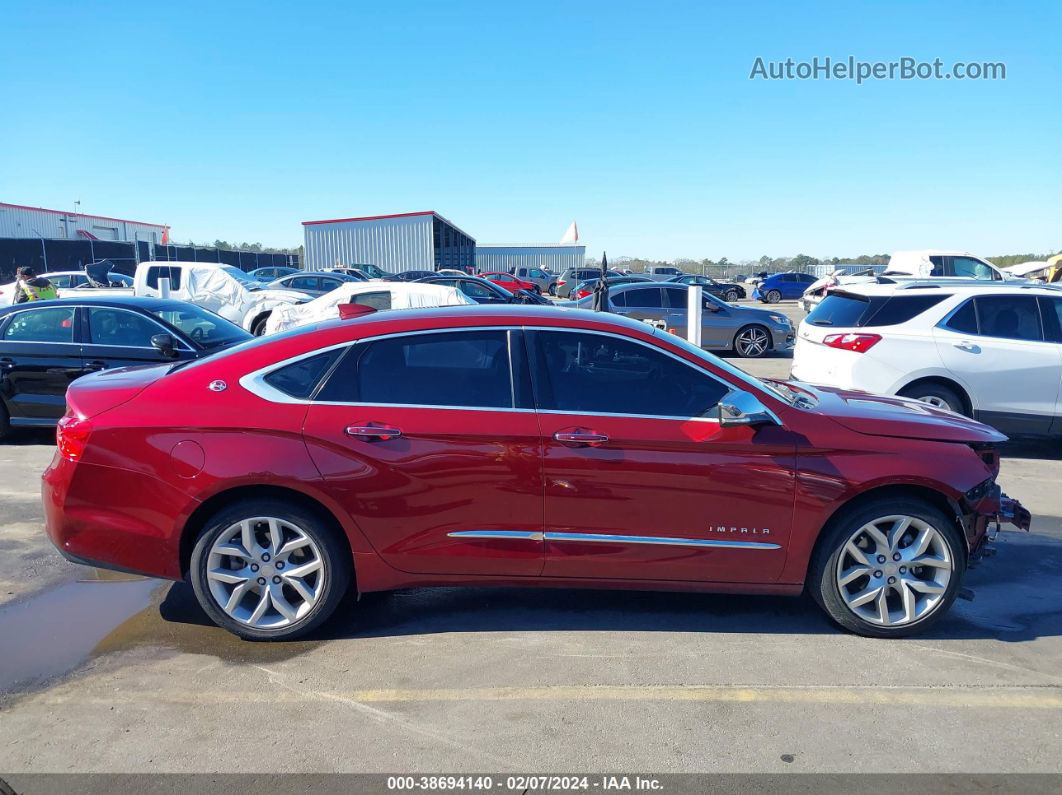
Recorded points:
207,330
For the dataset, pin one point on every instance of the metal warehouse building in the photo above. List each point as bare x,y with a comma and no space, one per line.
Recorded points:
554,257
18,221
394,243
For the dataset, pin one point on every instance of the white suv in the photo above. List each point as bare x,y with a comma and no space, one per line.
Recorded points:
989,350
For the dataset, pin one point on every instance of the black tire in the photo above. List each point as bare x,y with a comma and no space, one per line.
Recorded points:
536,289
822,580
258,327
743,346
5,422
553,289
935,394
773,297
334,553
731,296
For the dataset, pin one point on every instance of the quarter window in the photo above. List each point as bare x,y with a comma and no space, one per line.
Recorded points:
55,324
601,374
965,320
459,369
300,378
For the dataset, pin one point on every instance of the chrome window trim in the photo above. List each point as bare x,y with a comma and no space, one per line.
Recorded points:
608,538
254,382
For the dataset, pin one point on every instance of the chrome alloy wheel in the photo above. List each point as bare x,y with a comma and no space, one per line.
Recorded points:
752,342
934,400
894,570
266,573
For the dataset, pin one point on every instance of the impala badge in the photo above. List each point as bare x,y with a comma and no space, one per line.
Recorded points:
217,386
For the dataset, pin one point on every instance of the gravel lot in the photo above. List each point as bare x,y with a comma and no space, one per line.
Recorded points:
117,674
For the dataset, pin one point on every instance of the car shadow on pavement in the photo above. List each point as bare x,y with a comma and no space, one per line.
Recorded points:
1017,598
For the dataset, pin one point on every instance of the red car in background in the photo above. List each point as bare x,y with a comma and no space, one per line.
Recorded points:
514,446
510,282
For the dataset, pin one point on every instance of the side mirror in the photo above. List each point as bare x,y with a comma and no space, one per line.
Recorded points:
165,345
744,408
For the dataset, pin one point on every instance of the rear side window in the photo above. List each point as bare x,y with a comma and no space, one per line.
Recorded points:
1052,312
1014,317
840,309
463,369
300,378
901,308
645,298
964,320
55,324
380,300
156,272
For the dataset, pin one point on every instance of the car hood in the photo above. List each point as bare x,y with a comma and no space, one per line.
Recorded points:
878,415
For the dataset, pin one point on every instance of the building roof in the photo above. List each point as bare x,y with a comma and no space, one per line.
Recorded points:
530,245
385,217
80,214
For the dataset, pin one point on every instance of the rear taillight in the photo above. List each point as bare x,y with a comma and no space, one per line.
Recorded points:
859,343
582,293
561,282
71,437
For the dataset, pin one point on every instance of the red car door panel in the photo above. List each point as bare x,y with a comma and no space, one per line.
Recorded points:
666,499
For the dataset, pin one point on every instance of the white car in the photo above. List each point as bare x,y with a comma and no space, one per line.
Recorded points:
378,295
66,282
989,350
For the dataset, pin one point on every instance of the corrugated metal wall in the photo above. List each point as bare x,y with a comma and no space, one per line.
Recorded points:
504,258
392,244
26,222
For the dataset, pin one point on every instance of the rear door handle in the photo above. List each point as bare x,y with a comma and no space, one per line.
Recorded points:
370,432
580,438
968,346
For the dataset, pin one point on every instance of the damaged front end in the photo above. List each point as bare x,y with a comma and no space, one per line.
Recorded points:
987,510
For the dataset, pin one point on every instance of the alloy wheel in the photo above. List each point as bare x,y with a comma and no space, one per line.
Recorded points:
894,571
935,400
773,297
265,573
731,296
752,342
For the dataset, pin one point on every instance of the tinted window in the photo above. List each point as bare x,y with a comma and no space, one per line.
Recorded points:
303,283
330,284
109,326
157,272
1013,317
300,379
472,289
938,266
618,299
1052,309
965,320
380,300
602,374
645,297
462,368
54,324
901,308
839,309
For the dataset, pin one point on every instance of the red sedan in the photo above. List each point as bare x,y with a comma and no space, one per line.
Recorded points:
514,445
510,282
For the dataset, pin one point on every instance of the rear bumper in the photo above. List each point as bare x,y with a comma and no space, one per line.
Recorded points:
112,518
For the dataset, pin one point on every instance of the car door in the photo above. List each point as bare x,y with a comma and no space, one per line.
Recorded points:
114,337
1051,311
994,346
641,481
716,326
642,303
39,356
430,442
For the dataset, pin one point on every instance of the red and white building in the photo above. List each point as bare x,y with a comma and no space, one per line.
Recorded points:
20,221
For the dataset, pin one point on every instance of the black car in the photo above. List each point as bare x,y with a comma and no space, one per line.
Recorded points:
409,276
728,291
483,291
44,345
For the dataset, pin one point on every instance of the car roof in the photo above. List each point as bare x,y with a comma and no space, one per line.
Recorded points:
116,301
966,286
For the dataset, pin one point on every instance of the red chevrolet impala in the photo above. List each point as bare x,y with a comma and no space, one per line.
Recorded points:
514,445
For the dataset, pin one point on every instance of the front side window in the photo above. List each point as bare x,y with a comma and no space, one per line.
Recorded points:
461,369
206,329
971,268
55,324
586,373
109,326
1014,317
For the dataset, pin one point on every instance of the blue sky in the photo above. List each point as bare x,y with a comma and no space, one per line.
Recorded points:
240,120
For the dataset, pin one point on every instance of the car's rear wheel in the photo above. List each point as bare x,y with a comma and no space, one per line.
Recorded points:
269,570
732,295
553,290
888,569
5,422
752,342
773,296
938,395
536,289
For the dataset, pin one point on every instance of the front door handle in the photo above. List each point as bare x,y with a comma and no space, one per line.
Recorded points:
970,347
371,432
580,438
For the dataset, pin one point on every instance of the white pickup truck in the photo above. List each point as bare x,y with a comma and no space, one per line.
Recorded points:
223,289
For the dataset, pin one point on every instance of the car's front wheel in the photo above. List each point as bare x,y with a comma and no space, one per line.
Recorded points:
752,342
258,327
269,570
888,569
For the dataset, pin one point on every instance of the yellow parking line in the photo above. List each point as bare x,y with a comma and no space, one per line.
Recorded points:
1046,697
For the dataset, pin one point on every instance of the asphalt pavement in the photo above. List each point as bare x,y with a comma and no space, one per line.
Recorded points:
110,673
